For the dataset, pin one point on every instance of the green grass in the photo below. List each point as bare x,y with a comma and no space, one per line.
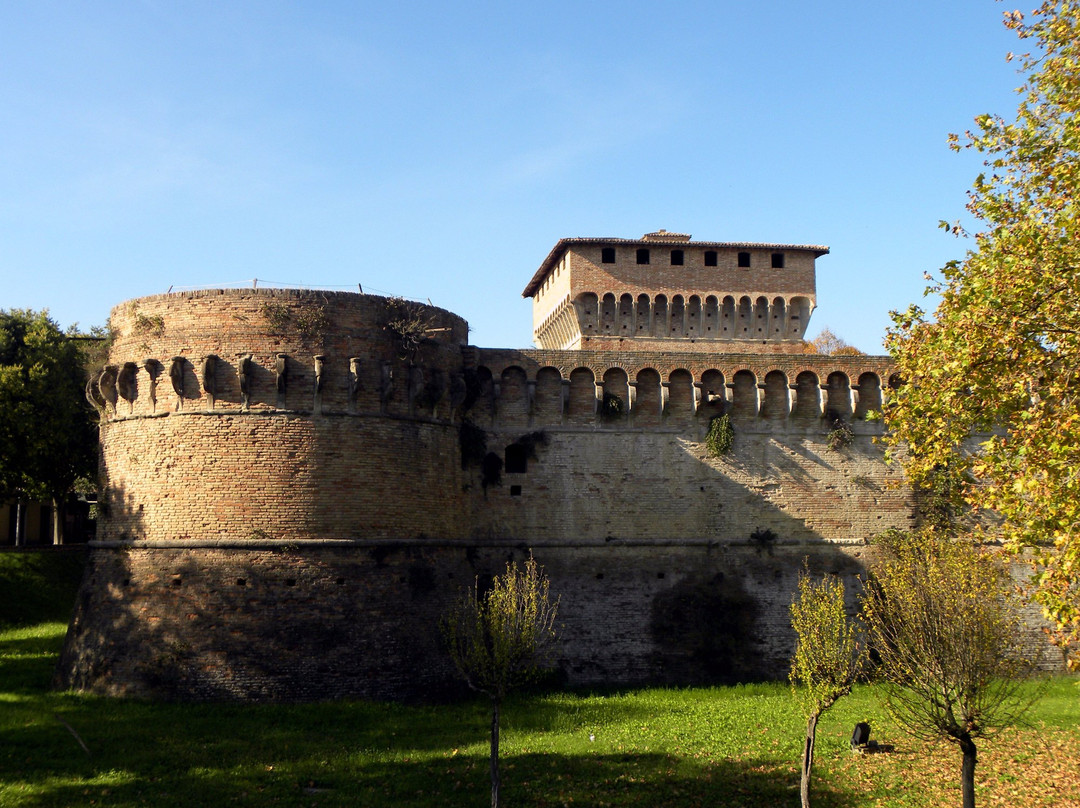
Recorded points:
37,586
734,746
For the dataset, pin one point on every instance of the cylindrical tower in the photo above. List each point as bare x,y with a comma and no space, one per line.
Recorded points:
262,451
293,415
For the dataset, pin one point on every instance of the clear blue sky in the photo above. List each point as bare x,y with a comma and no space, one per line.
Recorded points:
439,150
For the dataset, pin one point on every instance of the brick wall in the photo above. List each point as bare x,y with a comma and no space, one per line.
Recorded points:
245,621
296,538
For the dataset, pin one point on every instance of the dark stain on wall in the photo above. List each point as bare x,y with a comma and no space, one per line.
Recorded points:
705,631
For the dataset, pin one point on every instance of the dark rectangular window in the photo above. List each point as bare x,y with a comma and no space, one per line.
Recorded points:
517,459
710,258
643,256
607,255
778,260
744,260
676,258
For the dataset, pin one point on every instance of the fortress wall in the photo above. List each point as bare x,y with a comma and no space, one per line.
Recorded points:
257,621
302,543
649,484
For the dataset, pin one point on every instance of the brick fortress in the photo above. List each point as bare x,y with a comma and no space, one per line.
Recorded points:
297,483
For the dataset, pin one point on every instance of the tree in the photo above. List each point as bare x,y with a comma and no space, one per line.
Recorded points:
499,639
828,656
943,617
46,434
1002,353
829,344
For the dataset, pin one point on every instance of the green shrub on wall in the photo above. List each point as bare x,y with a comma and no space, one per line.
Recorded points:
840,435
721,435
611,408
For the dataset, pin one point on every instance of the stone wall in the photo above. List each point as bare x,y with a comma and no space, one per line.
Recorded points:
290,518
251,620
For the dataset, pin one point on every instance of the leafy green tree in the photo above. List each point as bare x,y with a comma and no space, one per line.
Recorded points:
944,618
499,639
47,436
1000,356
828,657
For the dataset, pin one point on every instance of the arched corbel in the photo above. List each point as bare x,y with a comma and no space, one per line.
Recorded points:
320,361
176,376
530,393
435,389
416,386
126,385
386,385
209,379
355,384
107,385
281,377
93,393
459,391
153,372
244,368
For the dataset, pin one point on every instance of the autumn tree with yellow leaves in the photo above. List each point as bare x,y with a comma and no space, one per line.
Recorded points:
991,393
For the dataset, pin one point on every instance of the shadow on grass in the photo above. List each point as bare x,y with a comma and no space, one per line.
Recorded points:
350,753
334,778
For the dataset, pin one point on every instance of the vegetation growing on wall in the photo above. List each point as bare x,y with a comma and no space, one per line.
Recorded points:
721,436
840,435
409,324
152,325
308,321
491,470
531,441
611,408
763,537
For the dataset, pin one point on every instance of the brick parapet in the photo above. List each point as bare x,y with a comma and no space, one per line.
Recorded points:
283,332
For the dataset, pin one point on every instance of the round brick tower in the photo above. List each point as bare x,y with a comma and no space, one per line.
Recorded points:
251,442
243,414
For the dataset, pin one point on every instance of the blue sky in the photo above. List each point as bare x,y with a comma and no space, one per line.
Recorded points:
439,150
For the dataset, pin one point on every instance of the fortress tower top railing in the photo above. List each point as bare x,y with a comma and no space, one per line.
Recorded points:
667,292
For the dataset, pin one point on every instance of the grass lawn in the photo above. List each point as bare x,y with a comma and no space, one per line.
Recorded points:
701,747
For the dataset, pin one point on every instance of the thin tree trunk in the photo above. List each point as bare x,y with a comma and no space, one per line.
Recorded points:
57,521
494,753
967,771
20,522
808,759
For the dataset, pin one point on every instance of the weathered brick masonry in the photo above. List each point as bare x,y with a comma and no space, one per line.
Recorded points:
295,492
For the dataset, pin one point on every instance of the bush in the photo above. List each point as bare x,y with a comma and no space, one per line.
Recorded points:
721,436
